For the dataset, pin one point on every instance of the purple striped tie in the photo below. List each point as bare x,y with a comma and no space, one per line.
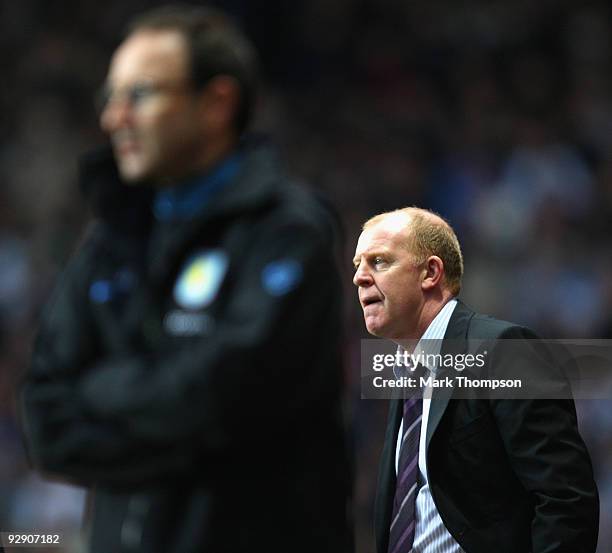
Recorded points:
401,534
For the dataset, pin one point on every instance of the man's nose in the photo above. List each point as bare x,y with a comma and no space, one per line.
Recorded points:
362,276
116,114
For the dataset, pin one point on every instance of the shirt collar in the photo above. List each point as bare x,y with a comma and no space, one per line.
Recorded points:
430,342
185,200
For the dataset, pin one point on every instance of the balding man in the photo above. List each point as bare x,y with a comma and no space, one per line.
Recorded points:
465,475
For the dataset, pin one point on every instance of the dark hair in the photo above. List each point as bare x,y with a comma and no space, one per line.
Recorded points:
216,47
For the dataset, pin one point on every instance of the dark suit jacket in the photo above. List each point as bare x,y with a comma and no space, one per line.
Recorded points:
507,475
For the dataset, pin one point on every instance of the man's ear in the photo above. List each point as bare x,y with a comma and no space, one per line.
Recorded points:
433,273
219,102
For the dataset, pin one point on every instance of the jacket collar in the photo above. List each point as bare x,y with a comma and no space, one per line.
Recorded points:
129,208
254,188
186,199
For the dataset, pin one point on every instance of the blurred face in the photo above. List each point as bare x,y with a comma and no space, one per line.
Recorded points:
388,281
150,112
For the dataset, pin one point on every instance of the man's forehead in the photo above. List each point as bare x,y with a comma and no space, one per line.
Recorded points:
389,231
150,54
383,236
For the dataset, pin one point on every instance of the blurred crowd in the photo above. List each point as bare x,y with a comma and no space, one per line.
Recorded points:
496,114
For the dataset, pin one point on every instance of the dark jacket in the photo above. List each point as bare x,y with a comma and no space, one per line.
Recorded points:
189,372
506,475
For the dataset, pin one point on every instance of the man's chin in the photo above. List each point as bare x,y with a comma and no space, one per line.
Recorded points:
131,173
374,329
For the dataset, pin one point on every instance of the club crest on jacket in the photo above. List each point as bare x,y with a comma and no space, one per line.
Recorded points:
200,279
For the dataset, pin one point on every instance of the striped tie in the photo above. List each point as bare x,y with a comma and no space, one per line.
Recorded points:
401,534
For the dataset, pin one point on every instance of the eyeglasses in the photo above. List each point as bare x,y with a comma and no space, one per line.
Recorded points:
136,94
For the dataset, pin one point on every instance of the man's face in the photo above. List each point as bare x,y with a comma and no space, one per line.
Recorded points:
388,280
151,112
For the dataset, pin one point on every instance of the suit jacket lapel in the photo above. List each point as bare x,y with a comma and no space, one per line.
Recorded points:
455,341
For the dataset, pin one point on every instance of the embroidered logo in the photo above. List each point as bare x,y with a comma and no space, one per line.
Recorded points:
199,281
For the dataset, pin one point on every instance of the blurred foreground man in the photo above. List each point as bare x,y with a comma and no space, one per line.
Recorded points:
465,475
187,369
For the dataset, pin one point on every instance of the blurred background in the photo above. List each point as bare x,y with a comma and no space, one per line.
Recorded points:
497,114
